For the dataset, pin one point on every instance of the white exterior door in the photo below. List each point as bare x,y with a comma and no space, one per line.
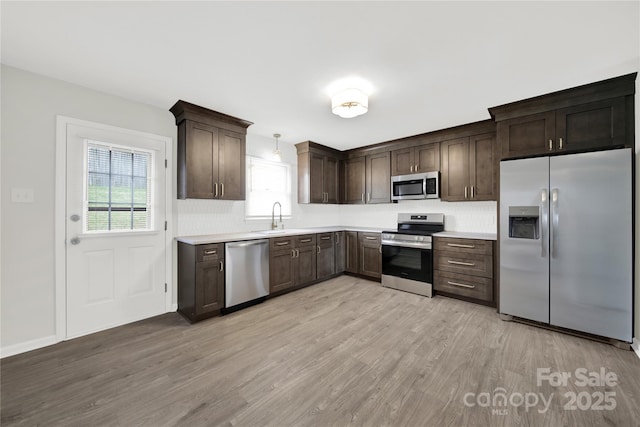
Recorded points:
115,227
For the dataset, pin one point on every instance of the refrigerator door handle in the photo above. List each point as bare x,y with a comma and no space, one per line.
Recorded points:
554,222
544,208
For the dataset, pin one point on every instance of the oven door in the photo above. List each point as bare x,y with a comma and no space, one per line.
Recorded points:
412,263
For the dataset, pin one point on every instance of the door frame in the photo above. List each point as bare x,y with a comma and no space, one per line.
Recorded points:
60,252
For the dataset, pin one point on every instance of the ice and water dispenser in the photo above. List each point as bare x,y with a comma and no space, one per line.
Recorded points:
524,222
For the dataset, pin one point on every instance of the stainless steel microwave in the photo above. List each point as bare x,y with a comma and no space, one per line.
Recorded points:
415,186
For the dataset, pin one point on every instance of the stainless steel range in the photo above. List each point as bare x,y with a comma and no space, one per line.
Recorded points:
407,257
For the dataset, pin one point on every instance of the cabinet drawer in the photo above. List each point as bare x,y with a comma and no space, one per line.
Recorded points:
475,265
305,240
325,240
276,243
372,238
211,252
463,285
466,246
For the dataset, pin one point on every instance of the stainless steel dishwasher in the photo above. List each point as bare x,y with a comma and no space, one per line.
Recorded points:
247,272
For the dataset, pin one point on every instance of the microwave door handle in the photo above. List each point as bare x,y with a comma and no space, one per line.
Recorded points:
424,187
544,213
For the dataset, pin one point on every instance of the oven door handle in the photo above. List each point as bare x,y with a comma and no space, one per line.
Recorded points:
419,245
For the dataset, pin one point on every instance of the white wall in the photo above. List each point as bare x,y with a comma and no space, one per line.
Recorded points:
30,104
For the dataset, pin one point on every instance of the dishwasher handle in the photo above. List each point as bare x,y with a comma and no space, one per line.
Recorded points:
247,243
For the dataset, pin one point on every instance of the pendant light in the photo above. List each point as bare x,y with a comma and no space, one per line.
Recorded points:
276,153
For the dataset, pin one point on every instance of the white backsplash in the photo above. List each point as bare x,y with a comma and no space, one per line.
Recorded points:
220,216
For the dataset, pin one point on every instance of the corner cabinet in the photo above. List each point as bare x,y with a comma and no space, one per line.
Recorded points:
585,118
367,179
200,280
470,166
318,173
211,153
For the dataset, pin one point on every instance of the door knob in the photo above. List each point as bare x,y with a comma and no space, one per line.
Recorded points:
74,218
74,241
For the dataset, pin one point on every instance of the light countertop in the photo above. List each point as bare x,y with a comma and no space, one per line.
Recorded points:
467,235
253,235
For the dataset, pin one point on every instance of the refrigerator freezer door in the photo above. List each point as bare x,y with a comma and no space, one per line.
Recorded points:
590,282
524,263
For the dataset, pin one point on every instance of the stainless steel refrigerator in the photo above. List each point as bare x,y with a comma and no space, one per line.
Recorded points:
566,241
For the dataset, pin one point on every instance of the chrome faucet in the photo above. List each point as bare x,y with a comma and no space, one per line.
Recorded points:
273,216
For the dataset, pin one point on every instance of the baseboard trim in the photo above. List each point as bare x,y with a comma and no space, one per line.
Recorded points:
23,347
174,307
635,345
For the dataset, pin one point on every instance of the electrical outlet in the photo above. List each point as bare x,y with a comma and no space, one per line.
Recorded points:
22,195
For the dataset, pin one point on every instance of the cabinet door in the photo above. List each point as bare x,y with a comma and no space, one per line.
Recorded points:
455,170
316,177
427,157
325,259
209,286
280,270
354,176
305,265
351,256
331,179
199,170
527,136
482,167
402,161
231,164
588,126
378,182
370,257
340,250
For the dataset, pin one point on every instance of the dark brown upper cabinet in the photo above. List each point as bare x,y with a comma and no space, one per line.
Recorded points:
318,173
469,164
211,153
367,178
585,118
421,158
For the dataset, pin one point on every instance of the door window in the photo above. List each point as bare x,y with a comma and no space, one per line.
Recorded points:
118,189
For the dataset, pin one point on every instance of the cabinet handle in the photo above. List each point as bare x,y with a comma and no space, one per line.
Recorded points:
221,266
362,197
282,243
462,285
368,197
215,190
458,245
380,248
560,143
465,191
468,264
297,253
416,168
210,252
305,240
293,253
472,191
325,238
221,190
318,249
370,238
411,169
550,144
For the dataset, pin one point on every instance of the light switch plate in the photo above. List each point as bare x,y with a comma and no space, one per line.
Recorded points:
22,195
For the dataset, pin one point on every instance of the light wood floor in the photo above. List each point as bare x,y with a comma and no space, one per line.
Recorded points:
342,352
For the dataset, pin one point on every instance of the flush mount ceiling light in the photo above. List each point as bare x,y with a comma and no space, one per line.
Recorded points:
276,153
349,103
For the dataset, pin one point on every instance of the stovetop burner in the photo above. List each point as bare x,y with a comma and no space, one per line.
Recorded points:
419,224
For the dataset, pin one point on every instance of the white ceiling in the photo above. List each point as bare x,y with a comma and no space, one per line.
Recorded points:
431,65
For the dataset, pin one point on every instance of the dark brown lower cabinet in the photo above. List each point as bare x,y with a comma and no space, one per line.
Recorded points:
326,256
370,254
200,280
340,250
292,262
463,268
351,256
